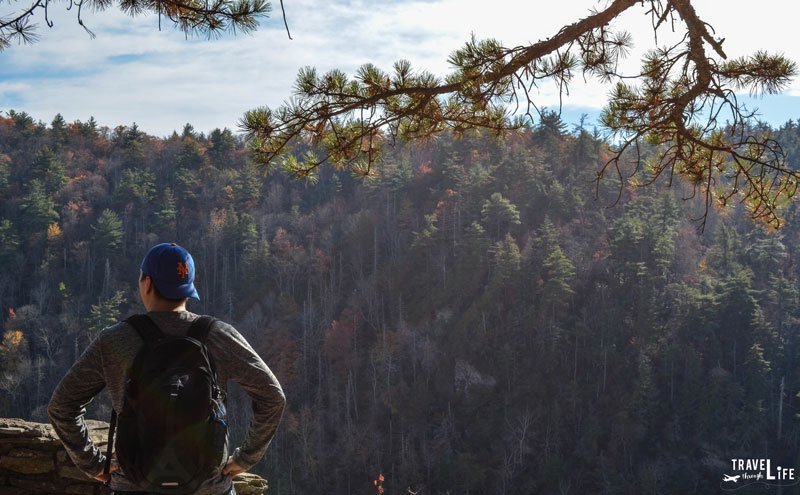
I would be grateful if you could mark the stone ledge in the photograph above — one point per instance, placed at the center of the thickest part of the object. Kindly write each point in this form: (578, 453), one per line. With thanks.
(33, 462)
(249, 484)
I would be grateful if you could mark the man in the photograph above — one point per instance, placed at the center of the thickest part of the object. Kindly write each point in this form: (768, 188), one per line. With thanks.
(166, 282)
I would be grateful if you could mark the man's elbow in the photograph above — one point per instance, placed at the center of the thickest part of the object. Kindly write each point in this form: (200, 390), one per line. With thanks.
(54, 412)
(58, 411)
(274, 400)
(280, 399)
(52, 407)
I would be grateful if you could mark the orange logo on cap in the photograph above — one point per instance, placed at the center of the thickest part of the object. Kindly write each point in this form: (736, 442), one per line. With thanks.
(183, 269)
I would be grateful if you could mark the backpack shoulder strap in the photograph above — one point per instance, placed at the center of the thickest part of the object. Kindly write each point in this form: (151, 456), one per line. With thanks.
(200, 328)
(199, 331)
(146, 327)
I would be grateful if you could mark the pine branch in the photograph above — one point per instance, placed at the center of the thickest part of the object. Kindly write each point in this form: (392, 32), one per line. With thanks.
(193, 17)
(664, 106)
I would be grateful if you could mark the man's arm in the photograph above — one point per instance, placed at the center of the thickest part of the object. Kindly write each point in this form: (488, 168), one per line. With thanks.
(68, 405)
(248, 370)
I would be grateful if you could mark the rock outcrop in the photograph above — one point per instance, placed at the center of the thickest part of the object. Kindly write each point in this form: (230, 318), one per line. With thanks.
(33, 462)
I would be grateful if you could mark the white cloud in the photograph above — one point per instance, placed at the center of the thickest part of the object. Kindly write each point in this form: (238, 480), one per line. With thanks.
(133, 72)
(13, 87)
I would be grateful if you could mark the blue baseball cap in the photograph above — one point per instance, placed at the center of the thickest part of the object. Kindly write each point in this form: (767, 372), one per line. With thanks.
(172, 269)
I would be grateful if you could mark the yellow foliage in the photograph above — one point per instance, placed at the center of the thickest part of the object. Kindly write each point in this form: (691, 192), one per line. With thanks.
(12, 339)
(10, 353)
(54, 232)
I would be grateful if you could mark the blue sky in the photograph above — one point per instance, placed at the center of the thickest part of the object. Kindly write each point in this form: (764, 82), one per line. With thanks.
(132, 72)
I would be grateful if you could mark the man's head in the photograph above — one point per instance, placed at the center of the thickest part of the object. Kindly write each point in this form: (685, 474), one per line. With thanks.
(167, 276)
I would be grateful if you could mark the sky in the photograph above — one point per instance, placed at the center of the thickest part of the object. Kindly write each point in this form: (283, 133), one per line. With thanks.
(159, 79)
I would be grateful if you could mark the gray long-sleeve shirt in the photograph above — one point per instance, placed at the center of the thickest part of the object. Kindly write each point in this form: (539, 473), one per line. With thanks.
(106, 362)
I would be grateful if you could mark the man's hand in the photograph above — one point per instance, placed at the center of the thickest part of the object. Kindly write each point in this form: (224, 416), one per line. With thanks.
(231, 468)
(102, 476)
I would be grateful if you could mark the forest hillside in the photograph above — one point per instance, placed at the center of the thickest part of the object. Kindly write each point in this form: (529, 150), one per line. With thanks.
(475, 319)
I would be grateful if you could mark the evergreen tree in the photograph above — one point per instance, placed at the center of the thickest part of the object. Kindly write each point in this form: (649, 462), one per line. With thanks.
(49, 169)
(505, 261)
(9, 243)
(248, 186)
(557, 271)
(426, 238)
(168, 214)
(5, 173)
(188, 131)
(191, 156)
(104, 314)
(58, 131)
(499, 214)
(136, 186)
(38, 209)
(88, 129)
(726, 255)
(223, 143)
(256, 265)
(107, 233)
(549, 134)
(187, 187)
(247, 233)
(133, 147)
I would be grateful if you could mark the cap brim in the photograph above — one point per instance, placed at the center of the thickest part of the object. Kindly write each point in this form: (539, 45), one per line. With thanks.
(178, 292)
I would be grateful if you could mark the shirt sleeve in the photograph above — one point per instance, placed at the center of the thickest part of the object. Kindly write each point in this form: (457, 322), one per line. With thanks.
(67, 408)
(245, 367)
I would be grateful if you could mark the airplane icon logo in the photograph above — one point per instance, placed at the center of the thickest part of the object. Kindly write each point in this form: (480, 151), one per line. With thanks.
(735, 479)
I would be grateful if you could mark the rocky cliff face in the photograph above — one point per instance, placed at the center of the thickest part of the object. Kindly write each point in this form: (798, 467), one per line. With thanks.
(33, 462)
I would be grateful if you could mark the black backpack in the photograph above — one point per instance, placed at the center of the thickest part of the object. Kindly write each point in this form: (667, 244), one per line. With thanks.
(172, 431)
